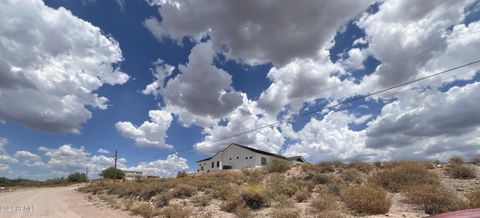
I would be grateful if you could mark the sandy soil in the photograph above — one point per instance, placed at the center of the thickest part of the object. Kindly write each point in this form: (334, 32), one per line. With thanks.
(52, 202)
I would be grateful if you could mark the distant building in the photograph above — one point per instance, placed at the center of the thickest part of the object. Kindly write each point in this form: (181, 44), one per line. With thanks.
(131, 175)
(237, 156)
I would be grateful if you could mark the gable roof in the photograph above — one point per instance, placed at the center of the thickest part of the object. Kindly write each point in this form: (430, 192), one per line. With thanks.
(258, 152)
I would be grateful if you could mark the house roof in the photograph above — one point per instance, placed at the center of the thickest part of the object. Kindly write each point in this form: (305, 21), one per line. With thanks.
(258, 152)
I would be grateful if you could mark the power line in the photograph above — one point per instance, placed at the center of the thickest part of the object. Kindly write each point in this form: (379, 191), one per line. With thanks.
(360, 97)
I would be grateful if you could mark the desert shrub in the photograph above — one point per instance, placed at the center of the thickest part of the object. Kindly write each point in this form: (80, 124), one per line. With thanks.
(243, 212)
(474, 199)
(282, 201)
(184, 191)
(252, 175)
(176, 211)
(367, 200)
(476, 160)
(326, 167)
(433, 199)
(330, 214)
(144, 210)
(361, 166)
(232, 203)
(125, 189)
(322, 179)
(150, 190)
(181, 174)
(201, 200)
(336, 188)
(278, 166)
(456, 159)
(255, 196)
(93, 188)
(323, 202)
(402, 174)
(285, 213)
(302, 195)
(460, 171)
(277, 185)
(224, 191)
(351, 175)
(163, 199)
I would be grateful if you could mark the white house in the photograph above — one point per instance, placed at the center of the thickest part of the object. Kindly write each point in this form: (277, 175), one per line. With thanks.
(136, 175)
(237, 156)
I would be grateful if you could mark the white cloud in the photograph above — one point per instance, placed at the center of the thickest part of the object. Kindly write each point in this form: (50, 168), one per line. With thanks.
(164, 168)
(51, 64)
(103, 151)
(29, 158)
(356, 57)
(273, 31)
(149, 133)
(246, 117)
(5, 158)
(201, 93)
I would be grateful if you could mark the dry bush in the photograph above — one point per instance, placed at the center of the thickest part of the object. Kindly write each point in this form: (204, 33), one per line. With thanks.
(94, 188)
(433, 199)
(474, 199)
(368, 200)
(285, 213)
(184, 191)
(232, 203)
(278, 166)
(125, 189)
(323, 202)
(252, 176)
(330, 214)
(361, 166)
(351, 175)
(151, 189)
(255, 196)
(321, 179)
(402, 174)
(144, 210)
(163, 199)
(476, 160)
(460, 171)
(112, 201)
(302, 195)
(201, 200)
(277, 185)
(176, 211)
(224, 191)
(327, 167)
(243, 212)
(336, 188)
(283, 201)
(456, 159)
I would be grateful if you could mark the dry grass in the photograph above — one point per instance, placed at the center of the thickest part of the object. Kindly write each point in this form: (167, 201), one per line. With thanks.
(233, 202)
(176, 211)
(285, 213)
(462, 171)
(144, 210)
(434, 199)
(361, 166)
(476, 160)
(456, 160)
(474, 199)
(278, 166)
(323, 202)
(403, 174)
(184, 191)
(302, 195)
(201, 200)
(243, 212)
(366, 200)
(255, 196)
(351, 176)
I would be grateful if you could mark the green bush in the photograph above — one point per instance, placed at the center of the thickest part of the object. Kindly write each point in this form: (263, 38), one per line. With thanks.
(109, 173)
(181, 174)
(278, 166)
(77, 177)
(366, 200)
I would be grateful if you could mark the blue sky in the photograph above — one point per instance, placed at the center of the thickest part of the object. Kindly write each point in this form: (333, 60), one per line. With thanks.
(179, 76)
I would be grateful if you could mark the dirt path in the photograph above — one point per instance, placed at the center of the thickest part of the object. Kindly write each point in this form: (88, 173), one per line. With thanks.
(52, 202)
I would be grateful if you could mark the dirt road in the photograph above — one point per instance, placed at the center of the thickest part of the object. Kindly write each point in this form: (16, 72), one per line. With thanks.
(52, 202)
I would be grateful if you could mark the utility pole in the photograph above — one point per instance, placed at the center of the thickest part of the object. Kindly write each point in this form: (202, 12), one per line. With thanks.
(86, 172)
(115, 168)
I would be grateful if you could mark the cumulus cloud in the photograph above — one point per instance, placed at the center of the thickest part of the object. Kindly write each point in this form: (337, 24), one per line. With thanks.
(418, 33)
(246, 117)
(150, 133)
(5, 158)
(103, 151)
(257, 32)
(164, 168)
(201, 93)
(51, 64)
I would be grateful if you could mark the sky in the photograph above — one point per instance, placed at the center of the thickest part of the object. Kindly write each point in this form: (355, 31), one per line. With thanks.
(164, 81)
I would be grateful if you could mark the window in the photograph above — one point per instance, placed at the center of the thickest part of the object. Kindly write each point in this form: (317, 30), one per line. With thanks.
(230, 158)
(237, 157)
(213, 164)
(263, 161)
(250, 157)
(201, 168)
(218, 163)
(246, 158)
